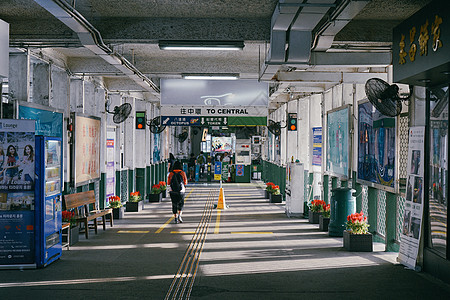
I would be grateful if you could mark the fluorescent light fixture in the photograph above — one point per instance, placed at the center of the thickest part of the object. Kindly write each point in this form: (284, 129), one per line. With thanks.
(201, 45)
(213, 76)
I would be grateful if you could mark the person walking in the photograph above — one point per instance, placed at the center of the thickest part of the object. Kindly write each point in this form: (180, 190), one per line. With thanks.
(177, 181)
(191, 167)
(201, 161)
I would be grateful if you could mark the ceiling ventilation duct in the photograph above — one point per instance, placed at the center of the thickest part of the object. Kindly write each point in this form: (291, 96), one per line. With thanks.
(293, 24)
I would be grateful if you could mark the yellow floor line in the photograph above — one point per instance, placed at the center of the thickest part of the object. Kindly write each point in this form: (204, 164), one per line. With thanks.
(133, 231)
(183, 232)
(171, 218)
(251, 232)
(216, 230)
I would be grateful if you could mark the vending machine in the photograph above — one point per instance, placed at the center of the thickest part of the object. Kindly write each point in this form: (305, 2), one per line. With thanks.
(48, 199)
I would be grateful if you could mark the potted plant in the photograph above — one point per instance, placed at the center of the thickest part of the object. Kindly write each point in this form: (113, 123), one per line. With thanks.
(135, 203)
(324, 218)
(315, 210)
(275, 196)
(357, 236)
(73, 235)
(269, 188)
(117, 207)
(163, 188)
(155, 194)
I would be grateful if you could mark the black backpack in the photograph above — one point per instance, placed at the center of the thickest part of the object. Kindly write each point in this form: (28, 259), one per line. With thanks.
(176, 183)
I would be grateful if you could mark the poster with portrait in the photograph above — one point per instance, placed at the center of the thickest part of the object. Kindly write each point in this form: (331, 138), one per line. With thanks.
(376, 148)
(413, 214)
(338, 142)
(87, 149)
(17, 199)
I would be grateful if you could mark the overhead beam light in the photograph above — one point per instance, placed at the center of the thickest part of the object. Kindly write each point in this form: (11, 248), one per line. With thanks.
(201, 45)
(214, 76)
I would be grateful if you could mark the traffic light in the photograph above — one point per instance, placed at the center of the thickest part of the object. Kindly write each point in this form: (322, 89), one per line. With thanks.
(292, 122)
(140, 120)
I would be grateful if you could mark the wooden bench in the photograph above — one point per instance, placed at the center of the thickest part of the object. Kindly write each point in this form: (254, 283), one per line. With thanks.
(81, 202)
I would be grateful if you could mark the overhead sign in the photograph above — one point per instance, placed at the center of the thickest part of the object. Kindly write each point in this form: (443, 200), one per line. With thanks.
(242, 92)
(214, 111)
(181, 120)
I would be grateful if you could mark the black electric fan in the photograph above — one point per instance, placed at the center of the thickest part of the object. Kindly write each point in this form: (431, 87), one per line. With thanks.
(385, 97)
(182, 136)
(156, 126)
(274, 127)
(121, 113)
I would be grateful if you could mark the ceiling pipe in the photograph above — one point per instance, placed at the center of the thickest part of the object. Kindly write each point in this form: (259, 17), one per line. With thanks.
(91, 39)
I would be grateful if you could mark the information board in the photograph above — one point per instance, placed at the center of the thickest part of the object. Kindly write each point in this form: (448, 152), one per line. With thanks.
(338, 142)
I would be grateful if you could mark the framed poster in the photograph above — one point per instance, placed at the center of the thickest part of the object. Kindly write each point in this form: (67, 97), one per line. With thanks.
(85, 154)
(338, 142)
(316, 146)
(376, 148)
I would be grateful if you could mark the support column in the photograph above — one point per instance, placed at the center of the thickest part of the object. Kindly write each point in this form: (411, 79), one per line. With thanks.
(140, 182)
(325, 189)
(372, 208)
(391, 222)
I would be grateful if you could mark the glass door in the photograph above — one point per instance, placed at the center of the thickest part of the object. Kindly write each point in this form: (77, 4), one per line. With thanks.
(438, 171)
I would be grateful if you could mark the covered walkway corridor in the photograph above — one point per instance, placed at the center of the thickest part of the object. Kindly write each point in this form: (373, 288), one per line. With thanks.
(251, 250)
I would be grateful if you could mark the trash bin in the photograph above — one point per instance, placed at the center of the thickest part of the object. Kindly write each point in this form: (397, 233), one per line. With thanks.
(343, 203)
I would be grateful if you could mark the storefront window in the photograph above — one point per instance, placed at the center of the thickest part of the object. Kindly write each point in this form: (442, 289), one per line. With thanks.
(438, 173)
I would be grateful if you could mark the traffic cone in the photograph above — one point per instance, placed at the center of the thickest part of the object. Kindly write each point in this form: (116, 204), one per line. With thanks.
(221, 203)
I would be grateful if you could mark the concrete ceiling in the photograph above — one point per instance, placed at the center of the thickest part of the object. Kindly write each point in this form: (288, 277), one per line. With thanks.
(130, 31)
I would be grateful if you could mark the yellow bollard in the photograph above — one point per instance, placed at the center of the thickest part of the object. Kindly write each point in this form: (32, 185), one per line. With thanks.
(221, 203)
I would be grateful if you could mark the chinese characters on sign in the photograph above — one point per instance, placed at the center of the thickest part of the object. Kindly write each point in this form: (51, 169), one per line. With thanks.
(87, 132)
(422, 40)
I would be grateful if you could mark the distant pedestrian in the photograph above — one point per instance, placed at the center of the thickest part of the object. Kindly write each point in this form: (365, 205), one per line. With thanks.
(177, 181)
(191, 167)
(201, 161)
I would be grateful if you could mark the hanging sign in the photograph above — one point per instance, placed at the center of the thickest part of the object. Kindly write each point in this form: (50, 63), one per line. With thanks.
(214, 111)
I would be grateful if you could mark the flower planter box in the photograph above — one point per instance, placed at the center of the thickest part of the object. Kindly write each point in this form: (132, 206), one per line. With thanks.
(276, 198)
(323, 223)
(135, 206)
(267, 194)
(164, 194)
(358, 242)
(118, 213)
(154, 197)
(313, 217)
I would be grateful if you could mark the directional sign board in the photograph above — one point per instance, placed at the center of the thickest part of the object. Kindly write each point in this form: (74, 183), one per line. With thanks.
(180, 121)
(214, 121)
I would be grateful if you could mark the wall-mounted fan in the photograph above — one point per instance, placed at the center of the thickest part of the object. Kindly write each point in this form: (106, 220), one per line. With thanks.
(385, 97)
(156, 126)
(274, 127)
(182, 136)
(121, 113)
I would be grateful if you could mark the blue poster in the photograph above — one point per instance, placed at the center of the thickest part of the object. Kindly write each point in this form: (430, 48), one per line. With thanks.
(338, 141)
(156, 147)
(48, 123)
(317, 146)
(376, 146)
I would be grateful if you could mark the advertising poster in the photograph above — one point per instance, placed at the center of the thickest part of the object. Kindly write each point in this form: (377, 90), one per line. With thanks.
(222, 144)
(87, 149)
(48, 123)
(412, 217)
(156, 147)
(338, 141)
(317, 146)
(17, 200)
(217, 170)
(110, 169)
(376, 147)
